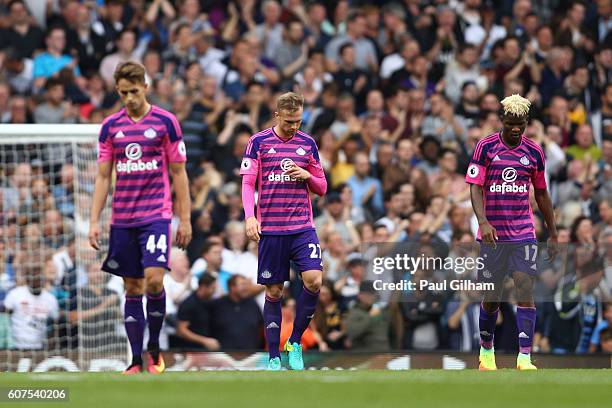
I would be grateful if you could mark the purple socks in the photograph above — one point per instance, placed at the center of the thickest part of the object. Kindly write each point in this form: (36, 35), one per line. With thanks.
(134, 321)
(487, 327)
(525, 321)
(272, 320)
(156, 311)
(304, 312)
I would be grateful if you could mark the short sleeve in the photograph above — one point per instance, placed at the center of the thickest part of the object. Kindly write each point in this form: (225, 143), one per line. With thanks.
(185, 311)
(105, 144)
(53, 307)
(10, 301)
(250, 160)
(174, 146)
(538, 178)
(477, 169)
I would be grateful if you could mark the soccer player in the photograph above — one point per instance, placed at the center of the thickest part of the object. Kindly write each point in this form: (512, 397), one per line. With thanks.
(141, 142)
(503, 167)
(285, 163)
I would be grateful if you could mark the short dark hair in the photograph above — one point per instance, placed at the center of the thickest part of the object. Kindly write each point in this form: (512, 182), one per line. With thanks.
(130, 71)
(232, 281)
(53, 82)
(208, 245)
(206, 279)
(344, 46)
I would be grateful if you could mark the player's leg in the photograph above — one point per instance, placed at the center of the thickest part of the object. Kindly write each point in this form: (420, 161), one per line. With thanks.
(272, 315)
(525, 318)
(492, 259)
(156, 312)
(134, 321)
(154, 243)
(123, 260)
(306, 253)
(273, 271)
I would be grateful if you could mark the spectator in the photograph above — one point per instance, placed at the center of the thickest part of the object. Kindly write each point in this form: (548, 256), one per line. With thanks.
(442, 121)
(19, 74)
(336, 219)
(237, 321)
(365, 53)
(194, 317)
(126, 43)
(367, 325)
(55, 109)
(52, 61)
(178, 286)
(270, 31)
(597, 343)
(367, 191)
(585, 148)
(22, 32)
(210, 263)
(31, 308)
(328, 318)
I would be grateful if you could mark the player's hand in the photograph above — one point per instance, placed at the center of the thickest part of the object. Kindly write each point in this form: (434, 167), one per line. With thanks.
(94, 235)
(211, 344)
(488, 234)
(183, 234)
(552, 246)
(253, 229)
(298, 173)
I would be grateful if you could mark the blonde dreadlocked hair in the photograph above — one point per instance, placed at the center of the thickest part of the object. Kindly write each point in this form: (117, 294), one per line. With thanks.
(516, 105)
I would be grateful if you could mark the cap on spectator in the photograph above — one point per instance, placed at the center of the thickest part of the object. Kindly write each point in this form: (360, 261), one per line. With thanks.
(333, 197)
(354, 258)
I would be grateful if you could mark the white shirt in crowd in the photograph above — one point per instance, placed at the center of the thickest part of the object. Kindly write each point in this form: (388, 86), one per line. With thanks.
(29, 316)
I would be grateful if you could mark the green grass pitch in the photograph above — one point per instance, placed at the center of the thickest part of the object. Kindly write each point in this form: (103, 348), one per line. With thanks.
(317, 389)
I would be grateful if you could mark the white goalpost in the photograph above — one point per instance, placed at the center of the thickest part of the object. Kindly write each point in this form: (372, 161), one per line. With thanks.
(47, 174)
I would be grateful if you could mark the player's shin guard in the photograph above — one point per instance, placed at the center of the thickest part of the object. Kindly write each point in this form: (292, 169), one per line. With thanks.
(134, 321)
(156, 311)
(304, 312)
(525, 320)
(486, 323)
(272, 320)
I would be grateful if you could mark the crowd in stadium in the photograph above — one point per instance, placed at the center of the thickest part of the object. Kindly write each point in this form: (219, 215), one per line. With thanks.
(397, 94)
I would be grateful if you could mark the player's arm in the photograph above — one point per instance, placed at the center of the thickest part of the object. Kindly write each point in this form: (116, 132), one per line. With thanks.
(183, 201)
(544, 202)
(182, 330)
(476, 178)
(249, 169)
(101, 189)
(487, 232)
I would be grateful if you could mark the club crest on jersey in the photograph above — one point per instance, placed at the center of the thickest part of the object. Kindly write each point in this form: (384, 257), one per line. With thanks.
(524, 161)
(150, 133)
(300, 151)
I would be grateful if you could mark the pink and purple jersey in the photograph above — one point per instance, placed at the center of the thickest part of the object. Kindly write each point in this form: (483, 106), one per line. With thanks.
(141, 152)
(284, 205)
(506, 175)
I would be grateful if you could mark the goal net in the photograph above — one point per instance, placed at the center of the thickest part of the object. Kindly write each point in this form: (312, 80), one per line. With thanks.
(58, 308)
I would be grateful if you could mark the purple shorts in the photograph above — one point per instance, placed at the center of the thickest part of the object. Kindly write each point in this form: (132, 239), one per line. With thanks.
(507, 258)
(131, 250)
(277, 251)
